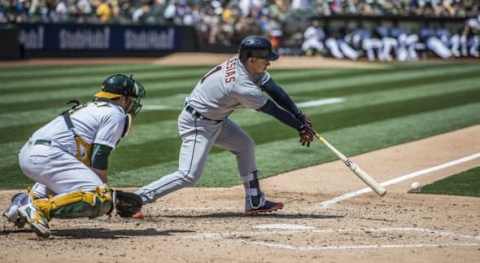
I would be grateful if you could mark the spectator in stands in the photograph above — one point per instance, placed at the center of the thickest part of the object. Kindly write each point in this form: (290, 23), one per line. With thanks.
(301, 5)
(61, 12)
(140, 14)
(104, 11)
(84, 11)
(3, 12)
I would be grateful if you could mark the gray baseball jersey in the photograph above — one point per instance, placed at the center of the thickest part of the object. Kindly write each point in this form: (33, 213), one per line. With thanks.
(216, 95)
(226, 88)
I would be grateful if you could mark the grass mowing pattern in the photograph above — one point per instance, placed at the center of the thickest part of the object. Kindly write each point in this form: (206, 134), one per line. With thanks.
(466, 184)
(397, 104)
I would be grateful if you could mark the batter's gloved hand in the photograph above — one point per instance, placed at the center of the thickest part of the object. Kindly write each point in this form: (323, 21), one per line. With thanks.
(126, 203)
(306, 132)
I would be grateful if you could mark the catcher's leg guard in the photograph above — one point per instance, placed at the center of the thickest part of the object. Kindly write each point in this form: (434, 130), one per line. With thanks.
(77, 204)
(36, 219)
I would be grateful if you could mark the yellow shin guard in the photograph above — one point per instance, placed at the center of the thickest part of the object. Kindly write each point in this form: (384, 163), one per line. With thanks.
(77, 204)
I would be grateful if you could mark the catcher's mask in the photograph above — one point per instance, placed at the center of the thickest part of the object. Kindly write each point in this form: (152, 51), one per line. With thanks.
(117, 85)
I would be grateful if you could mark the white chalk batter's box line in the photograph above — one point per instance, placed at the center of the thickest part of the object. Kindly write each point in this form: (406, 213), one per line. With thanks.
(400, 179)
(468, 240)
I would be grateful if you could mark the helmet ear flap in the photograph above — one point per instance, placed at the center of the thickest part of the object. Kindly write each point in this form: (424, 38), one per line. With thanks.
(132, 89)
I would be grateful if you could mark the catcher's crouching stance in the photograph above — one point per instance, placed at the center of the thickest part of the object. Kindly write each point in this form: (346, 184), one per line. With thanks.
(68, 160)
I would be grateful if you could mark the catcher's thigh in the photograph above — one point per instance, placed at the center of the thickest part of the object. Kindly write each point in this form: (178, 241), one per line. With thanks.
(77, 204)
(59, 171)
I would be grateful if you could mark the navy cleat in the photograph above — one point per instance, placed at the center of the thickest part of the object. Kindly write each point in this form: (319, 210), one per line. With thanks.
(258, 204)
(12, 214)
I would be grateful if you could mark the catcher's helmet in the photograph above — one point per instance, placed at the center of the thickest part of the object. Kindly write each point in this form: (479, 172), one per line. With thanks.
(117, 85)
(258, 47)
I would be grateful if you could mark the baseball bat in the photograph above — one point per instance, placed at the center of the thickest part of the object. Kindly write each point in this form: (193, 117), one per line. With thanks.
(367, 179)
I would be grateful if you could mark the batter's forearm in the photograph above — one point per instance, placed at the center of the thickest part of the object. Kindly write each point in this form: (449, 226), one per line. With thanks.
(282, 115)
(281, 98)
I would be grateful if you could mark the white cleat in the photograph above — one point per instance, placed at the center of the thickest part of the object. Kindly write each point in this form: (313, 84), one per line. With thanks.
(36, 219)
(11, 213)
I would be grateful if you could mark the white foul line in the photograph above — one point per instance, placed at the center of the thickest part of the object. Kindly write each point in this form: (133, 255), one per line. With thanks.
(230, 235)
(352, 247)
(399, 179)
(240, 237)
(314, 103)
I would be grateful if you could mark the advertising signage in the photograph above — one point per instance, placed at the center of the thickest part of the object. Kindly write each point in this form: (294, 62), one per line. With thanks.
(81, 39)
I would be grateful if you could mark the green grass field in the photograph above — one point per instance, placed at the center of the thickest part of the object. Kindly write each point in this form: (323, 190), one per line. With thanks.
(466, 183)
(377, 108)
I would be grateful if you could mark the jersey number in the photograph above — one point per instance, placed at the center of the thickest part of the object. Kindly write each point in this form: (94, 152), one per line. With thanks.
(213, 70)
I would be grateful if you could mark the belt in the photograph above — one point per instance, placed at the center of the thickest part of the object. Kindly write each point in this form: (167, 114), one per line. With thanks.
(197, 114)
(42, 142)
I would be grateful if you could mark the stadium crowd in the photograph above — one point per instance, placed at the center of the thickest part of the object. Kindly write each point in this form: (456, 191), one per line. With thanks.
(227, 21)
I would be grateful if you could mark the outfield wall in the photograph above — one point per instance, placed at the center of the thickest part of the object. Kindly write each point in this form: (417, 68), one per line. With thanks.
(86, 40)
(10, 47)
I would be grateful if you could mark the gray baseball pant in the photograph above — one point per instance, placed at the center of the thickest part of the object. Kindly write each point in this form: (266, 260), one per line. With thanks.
(198, 137)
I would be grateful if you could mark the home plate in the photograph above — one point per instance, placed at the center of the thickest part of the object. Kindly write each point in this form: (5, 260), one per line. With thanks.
(284, 227)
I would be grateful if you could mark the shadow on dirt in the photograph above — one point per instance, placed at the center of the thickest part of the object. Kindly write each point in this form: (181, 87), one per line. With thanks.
(103, 233)
(6, 232)
(224, 215)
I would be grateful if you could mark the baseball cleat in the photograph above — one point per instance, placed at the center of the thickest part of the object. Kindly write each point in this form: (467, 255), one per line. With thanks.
(267, 206)
(11, 213)
(36, 219)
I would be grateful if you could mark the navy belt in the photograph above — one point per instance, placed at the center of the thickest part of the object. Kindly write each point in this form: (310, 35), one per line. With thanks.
(42, 142)
(197, 114)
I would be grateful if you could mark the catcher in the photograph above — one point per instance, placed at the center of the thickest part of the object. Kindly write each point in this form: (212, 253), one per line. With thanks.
(68, 160)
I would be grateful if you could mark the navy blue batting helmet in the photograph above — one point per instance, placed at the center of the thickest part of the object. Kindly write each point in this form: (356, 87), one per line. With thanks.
(258, 47)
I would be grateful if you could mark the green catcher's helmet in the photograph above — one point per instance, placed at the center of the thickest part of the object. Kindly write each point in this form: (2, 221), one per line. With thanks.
(118, 85)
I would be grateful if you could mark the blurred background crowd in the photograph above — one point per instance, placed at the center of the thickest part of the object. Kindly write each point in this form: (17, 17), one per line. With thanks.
(225, 22)
(389, 40)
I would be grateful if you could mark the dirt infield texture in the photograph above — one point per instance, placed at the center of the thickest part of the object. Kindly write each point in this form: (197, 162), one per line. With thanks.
(208, 224)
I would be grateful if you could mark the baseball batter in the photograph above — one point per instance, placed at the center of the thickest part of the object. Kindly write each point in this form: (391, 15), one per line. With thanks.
(240, 82)
(68, 158)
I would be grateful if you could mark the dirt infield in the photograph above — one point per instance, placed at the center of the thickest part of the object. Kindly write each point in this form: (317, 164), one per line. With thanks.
(207, 225)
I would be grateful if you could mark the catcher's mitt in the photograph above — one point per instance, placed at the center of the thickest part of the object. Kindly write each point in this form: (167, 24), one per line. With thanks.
(126, 203)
